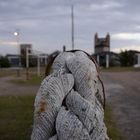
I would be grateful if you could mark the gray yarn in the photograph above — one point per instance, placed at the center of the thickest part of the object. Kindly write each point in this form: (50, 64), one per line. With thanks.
(69, 127)
(68, 105)
(54, 137)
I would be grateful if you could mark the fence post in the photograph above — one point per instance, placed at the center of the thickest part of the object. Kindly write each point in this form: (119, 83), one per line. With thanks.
(27, 64)
(38, 65)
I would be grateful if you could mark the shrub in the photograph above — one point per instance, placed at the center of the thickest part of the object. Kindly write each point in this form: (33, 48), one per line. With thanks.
(4, 62)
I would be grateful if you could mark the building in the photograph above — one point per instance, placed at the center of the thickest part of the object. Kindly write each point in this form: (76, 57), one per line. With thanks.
(34, 58)
(43, 59)
(103, 55)
(13, 59)
(23, 49)
(107, 59)
(26, 49)
(102, 44)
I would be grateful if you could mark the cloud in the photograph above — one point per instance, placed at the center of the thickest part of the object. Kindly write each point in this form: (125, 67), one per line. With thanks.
(47, 23)
(126, 36)
(11, 43)
(123, 48)
(105, 6)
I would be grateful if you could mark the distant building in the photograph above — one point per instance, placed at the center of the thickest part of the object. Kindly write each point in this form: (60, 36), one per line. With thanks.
(102, 53)
(43, 59)
(102, 44)
(103, 58)
(33, 57)
(13, 59)
(23, 48)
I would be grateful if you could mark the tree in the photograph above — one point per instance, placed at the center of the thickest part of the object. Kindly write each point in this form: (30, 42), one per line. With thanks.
(4, 62)
(126, 58)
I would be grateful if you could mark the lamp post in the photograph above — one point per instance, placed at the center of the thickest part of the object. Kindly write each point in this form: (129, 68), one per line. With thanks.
(16, 33)
(72, 26)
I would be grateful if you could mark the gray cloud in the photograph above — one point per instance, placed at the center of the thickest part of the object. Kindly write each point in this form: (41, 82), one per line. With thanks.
(47, 23)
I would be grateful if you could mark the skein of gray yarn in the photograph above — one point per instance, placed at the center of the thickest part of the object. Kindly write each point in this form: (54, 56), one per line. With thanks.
(68, 105)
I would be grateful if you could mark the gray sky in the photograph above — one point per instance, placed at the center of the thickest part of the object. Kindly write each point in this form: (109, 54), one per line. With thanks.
(47, 24)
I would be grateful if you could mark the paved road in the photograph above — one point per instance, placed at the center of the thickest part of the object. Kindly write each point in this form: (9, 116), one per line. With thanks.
(123, 93)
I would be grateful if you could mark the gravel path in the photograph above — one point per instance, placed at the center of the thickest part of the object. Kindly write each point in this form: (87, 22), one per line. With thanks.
(123, 93)
(7, 88)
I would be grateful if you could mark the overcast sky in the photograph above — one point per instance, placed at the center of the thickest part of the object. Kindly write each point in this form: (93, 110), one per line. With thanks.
(47, 24)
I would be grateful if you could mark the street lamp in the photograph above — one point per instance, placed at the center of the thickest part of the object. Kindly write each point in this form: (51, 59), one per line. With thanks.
(16, 33)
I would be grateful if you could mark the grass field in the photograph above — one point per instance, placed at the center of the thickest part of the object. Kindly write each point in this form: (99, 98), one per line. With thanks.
(16, 113)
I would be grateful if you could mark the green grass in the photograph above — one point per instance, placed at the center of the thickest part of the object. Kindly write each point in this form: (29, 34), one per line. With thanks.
(16, 118)
(16, 115)
(119, 69)
(112, 130)
(33, 80)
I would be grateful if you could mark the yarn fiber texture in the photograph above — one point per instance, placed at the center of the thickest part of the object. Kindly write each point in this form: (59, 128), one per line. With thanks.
(69, 102)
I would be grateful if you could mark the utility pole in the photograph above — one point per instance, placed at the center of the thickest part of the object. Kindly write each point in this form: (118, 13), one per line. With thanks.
(64, 48)
(72, 26)
(17, 33)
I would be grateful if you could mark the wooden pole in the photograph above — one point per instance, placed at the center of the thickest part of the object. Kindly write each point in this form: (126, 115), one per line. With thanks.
(38, 65)
(27, 64)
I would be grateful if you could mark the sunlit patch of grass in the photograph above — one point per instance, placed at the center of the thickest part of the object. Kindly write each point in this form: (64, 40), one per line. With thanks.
(113, 131)
(16, 115)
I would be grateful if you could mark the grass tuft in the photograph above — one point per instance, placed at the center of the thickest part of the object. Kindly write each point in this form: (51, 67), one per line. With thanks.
(112, 130)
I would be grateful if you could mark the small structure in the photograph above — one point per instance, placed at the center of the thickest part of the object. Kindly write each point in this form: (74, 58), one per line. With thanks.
(138, 61)
(102, 45)
(138, 58)
(106, 59)
(13, 59)
(23, 49)
(43, 59)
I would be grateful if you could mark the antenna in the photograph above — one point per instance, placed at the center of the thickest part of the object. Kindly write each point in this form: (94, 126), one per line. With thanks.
(72, 26)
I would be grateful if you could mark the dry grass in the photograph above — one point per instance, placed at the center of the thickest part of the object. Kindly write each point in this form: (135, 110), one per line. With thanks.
(120, 69)
(113, 131)
(16, 121)
(16, 115)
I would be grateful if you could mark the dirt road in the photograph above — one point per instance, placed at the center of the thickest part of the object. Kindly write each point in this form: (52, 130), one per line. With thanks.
(123, 93)
(7, 88)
